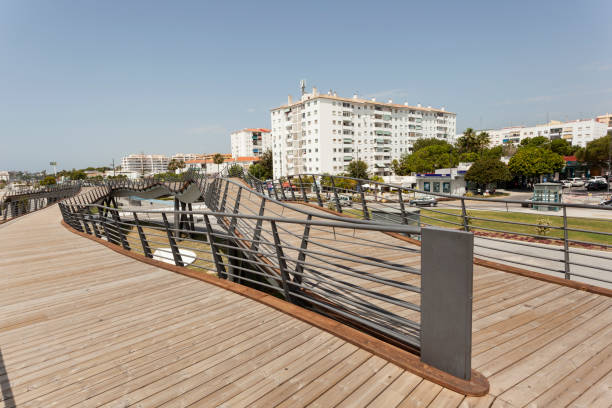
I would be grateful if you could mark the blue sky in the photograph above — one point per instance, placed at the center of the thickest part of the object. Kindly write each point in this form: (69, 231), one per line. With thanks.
(83, 82)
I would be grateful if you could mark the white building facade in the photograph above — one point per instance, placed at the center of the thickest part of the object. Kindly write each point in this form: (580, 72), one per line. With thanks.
(323, 133)
(250, 142)
(578, 132)
(145, 164)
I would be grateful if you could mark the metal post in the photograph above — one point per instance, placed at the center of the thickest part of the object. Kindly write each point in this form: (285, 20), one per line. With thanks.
(191, 222)
(236, 208)
(282, 189)
(303, 189)
(466, 225)
(364, 207)
(109, 237)
(274, 189)
(178, 261)
(299, 266)
(257, 234)
(143, 239)
(213, 248)
(282, 263)
(224, 200)
(446, 300)
(291, 187)
(336, 198)
(566, 254)
(402, 207)
(82, 217)
(122, 237)
(316, 187)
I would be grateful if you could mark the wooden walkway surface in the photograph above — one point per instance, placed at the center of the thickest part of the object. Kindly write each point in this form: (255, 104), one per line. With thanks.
(81, 325)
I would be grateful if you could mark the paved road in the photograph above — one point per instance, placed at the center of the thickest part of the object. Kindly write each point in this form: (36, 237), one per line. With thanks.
(527, 255)
(548, 258)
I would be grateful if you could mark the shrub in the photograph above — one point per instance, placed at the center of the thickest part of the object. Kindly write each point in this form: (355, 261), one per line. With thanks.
(543, 227)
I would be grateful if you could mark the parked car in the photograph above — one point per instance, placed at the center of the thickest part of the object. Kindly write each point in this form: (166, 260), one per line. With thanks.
(607, 202)
(345, 201)
(528, 203)
(597, 185)
(428, 201)
(566, 183)
(577, 182)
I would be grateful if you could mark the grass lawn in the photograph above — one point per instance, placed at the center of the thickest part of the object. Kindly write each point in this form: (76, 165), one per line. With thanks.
(502, 221)
(158, 239)
(454, 215)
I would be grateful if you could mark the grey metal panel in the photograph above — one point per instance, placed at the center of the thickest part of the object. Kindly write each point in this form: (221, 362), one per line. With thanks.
(446, 300)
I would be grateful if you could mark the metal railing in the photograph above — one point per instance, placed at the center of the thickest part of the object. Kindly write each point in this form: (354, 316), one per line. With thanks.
(335, 266)
(573, 241)
(24, 201)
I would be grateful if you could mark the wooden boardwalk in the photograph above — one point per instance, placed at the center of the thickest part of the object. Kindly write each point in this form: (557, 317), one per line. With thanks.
(81, 325)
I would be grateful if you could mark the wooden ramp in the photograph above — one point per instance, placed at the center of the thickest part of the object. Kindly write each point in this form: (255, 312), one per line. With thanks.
(81, 325)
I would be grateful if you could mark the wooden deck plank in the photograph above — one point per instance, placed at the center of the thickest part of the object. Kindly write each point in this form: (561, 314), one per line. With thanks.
(90, 327)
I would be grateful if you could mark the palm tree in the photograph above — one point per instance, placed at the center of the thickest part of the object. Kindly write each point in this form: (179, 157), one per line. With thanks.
(472, 142)
(173, 165)
(218, 159)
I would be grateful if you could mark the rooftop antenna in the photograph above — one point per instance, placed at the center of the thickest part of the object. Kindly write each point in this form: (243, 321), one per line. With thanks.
(303, 86)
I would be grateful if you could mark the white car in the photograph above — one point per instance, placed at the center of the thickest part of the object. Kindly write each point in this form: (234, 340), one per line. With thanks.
(567, 183)
(576, 182)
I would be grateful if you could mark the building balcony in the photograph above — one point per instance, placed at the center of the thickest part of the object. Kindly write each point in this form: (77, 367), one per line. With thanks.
(347, 140)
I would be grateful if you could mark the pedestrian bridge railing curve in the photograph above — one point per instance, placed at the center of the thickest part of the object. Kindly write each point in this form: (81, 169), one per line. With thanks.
(23, 201)
(565, 240)
(365, 274)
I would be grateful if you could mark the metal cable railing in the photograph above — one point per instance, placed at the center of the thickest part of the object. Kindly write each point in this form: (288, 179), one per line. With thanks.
(23, 201)
(571, 240)
(340, 267)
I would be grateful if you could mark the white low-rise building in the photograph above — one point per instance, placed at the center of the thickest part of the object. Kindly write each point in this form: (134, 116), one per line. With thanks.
(323, 133)
(444, 181)
(577, 132)
(145, 164)
(606, 119)
(187, 156)
(250, 142)
(210, 167)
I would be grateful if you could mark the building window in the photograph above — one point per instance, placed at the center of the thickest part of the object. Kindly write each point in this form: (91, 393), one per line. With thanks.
(426, 185)
(436, 186)
(446, 187)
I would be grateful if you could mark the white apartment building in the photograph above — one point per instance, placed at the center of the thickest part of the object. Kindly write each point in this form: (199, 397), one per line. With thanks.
(187, 156)
(607, 119)
(577, 132)
(323, 133)
(145, 164)
(250, 142)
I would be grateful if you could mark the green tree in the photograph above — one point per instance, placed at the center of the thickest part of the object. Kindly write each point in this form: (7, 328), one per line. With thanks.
(535, 141)
(596, 152)
(533, 161)
(48, 181)
(436, 155)
(235, 170)
(78, 175)
(358, 169)
(173, 165)
(488, 171)
(423, 143)
(218, 159)
(263, 169)
(429, 159)
(471, 142)
(561, 146)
